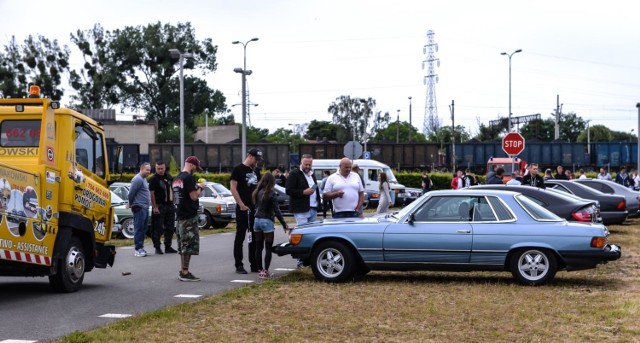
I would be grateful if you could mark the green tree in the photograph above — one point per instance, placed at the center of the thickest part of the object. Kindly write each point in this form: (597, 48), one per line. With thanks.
(599, 133)
(136, 68)
(356, 117)
(285, 136)
(398, 131)
(571, 126)
(538, 129)
(37, 61)
(254, 134)
(443, 135)
(321, 129)
(488, 133)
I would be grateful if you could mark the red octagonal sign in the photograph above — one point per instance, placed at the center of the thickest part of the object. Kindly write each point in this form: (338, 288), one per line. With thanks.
(513, 143)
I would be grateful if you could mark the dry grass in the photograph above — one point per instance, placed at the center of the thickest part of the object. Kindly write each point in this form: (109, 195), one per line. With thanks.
(591, 305)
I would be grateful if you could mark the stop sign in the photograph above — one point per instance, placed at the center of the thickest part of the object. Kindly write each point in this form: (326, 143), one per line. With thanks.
(513, 143)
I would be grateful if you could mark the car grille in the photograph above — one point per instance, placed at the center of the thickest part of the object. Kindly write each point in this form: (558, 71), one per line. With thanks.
(231, 208)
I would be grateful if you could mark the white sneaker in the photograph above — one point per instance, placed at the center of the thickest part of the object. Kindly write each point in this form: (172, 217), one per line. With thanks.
(140, 253)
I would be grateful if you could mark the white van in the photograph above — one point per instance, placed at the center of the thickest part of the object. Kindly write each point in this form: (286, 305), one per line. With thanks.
(369, 170)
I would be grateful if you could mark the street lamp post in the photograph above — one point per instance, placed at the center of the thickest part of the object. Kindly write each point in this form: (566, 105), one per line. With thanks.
(175, 53)
(244, 72)
(410, 124)
(589, 139)
(638, 146)
(511, 54)
(398, 128)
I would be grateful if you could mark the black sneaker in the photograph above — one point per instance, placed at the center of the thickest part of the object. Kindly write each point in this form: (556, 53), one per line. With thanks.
(241, 270)
(170, 250)
(159, 251)
(187, 277)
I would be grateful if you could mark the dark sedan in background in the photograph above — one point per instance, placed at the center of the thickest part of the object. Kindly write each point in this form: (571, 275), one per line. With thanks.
(613, 208)
(562, 205)
(609, 187)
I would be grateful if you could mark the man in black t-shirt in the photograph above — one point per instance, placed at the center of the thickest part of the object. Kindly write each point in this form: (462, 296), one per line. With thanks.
(185, 195)
(244, 179)
(163, 217)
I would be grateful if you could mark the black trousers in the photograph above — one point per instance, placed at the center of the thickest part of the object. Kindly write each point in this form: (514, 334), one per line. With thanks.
(163, 223)
(244, 223)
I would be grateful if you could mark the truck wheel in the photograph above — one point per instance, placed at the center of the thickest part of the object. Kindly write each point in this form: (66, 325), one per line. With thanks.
(127, 228)
(204, 220)
(70, 269)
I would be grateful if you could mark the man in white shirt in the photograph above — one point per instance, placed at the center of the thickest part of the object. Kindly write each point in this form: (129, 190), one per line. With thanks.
(603, 175)
(346, 190)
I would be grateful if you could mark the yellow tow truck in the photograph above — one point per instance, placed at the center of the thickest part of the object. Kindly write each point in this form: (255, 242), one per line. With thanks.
(55, 204)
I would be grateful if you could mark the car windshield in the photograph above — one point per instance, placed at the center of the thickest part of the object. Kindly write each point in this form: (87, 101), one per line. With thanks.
(390, 176)
(222, 190)
(536, 211)
(115, 199)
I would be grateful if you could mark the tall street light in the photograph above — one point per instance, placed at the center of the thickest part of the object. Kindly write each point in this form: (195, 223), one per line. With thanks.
(511, 54)
(175, 53)
(244, 73)
(410, 124)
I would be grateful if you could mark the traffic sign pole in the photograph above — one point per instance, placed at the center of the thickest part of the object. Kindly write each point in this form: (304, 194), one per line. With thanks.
(513, 145)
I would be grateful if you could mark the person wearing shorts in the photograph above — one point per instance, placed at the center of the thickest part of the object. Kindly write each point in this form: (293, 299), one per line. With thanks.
(266, 201)
(185, 196)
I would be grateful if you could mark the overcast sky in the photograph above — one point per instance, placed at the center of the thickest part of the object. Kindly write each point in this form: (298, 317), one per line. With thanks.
(311, 52)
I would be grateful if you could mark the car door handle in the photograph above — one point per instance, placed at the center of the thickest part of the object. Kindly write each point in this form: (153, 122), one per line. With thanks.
(463, 231)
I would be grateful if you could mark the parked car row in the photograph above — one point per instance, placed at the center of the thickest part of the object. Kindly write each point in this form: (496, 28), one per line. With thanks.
(217, 208)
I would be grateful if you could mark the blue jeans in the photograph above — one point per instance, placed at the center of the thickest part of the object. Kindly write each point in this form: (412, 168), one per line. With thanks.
(263, 224)
(346, 214)
(140, 224)
(306, 217)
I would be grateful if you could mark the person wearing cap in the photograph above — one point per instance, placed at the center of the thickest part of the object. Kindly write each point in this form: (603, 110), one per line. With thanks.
(186, 192)
(244, 180)
(139, 202)
(346, 190)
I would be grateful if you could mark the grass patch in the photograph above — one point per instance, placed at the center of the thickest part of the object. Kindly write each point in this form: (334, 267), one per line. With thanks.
(591, 305)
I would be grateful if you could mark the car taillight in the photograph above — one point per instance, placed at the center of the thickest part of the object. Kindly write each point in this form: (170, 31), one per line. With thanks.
(583, 214)
(598, 242)
(622, 205)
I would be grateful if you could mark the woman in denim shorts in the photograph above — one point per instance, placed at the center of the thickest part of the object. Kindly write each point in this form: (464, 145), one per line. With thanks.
(266, 201)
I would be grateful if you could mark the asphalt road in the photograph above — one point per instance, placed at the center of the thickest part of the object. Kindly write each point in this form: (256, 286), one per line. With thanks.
(31, 311)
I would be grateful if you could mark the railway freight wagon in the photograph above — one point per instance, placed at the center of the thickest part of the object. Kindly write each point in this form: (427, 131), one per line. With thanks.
(397, 156)
(548, 154)
(475, 155)
(220, 157)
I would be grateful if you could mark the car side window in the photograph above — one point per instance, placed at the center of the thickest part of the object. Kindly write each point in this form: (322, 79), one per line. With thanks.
(500, 209)
(560, 188)
(482, 212)
(445, 209)
(606, 189)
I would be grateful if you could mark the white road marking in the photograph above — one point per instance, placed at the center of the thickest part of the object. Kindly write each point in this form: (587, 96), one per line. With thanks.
(285, 269)
(187, 296)
(16, 341)
(115, 315)
(242, 281)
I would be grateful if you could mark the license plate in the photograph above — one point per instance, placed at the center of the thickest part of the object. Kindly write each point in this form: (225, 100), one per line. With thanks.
(233, 216)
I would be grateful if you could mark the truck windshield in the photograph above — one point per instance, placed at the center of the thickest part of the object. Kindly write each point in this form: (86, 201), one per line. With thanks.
(22, 133)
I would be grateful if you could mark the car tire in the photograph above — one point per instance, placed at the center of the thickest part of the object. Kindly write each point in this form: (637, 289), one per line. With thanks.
(127, 229)
(532, 266)
(219, 223)
(204, 220)
(70, 269)
(333, 262)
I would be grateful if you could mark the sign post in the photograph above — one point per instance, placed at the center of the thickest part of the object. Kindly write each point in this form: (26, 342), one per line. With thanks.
(513, 145)
(352, 150)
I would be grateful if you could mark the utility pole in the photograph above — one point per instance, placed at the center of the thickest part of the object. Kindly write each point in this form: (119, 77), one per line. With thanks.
(410, 124)
(558, 112)
(453, 136)
(398, 128)
(638, 132)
